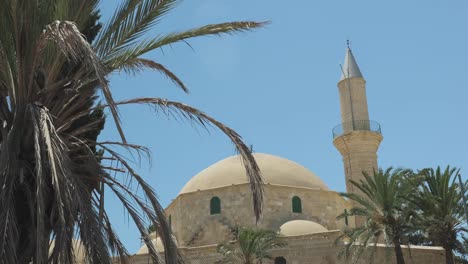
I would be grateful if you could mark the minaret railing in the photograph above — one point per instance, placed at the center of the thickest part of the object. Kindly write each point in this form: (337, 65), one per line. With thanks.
(356, 125)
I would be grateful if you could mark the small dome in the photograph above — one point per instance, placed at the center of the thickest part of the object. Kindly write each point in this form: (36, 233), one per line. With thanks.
(157, 242)
(275, 171)
(301, 227)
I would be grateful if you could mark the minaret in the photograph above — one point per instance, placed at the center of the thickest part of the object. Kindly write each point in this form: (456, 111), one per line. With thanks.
(357, 138)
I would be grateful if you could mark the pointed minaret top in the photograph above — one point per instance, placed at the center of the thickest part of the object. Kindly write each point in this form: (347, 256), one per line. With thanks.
(350, 68)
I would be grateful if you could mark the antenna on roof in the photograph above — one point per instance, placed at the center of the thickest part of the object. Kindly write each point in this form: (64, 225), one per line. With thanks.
(347, 43)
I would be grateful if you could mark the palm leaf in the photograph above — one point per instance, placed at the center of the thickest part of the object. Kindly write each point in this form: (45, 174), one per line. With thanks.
(440, 207)
(139, 64)
(130, 21)
(381, 200)
(117, 58)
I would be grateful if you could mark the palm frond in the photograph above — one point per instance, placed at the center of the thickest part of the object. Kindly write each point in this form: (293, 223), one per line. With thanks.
(130, 21)
(114, 60)
(139, 64)
(158, 217)
(438, 201)
(381, 200)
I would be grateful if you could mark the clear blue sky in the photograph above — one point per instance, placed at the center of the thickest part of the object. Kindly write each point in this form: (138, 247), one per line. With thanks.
(277, 87)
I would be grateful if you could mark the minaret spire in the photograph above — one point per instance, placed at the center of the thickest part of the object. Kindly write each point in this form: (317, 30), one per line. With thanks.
(350, 67)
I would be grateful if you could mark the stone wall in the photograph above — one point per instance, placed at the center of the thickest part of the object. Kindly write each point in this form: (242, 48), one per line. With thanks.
(193, 225)
(321, 248)
(317, 248)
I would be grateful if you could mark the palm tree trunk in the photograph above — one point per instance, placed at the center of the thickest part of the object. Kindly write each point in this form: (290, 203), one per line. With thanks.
(398, 251)
(448, 256)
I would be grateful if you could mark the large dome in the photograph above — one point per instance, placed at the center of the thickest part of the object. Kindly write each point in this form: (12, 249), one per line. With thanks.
(275, 171)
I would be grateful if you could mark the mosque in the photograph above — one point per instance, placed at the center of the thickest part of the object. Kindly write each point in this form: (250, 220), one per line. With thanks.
(297, 203)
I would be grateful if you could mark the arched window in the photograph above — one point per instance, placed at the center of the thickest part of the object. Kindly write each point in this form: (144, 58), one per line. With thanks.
(280, 260)
(215, 205)
(296, 205)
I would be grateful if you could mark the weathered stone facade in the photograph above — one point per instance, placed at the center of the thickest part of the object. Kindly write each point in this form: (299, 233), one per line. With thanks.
(321, 206)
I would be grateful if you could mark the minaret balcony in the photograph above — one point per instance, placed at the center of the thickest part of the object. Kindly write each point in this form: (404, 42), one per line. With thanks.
(356, 125)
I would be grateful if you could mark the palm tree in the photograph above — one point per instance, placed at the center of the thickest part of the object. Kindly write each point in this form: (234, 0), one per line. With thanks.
(440, 208)
(53, 168)
(381, 202)
(250, 246)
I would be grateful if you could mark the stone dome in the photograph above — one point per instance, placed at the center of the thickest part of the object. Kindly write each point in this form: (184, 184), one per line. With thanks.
(158, 245)
(301, 227)
(157, 242)
(275, 171)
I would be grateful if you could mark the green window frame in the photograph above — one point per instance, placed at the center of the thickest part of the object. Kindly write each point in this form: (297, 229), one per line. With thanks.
(215, 205)
(296, 205)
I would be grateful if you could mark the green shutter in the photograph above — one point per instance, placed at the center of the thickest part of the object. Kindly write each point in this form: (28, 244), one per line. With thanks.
(215, 205)
(296, 205)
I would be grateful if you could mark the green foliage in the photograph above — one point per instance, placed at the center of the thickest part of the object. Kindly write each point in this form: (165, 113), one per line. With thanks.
(250, 246)
(55, 59)
(440, 208)
(381, 201)
(402, 207)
